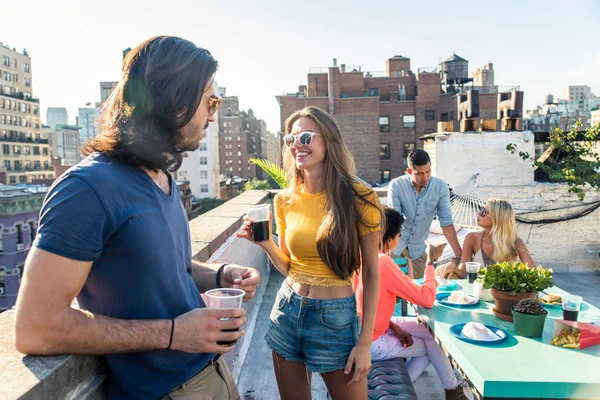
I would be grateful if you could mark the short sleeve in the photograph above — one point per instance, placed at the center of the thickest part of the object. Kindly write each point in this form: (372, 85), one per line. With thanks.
(73, 221)
(279, 214)
(371, 214)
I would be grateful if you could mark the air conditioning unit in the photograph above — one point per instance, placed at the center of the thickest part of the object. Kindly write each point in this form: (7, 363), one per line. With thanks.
(1, 290)
(20, 246)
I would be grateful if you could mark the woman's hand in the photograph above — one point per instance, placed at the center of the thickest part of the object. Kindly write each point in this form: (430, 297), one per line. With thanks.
(405, 337)
(360, 357)
(445, 270)
(245, 232)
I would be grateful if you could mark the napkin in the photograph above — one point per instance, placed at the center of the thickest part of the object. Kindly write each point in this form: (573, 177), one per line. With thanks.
(441, 281)
(459, 297)
(478, 331)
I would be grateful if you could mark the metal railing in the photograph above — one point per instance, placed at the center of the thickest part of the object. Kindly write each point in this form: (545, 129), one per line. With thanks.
(375, 74)
(489, 89)
(427, 70)
(318, 70)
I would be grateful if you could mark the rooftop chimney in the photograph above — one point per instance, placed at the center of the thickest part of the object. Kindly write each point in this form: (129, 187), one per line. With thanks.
(335, 62)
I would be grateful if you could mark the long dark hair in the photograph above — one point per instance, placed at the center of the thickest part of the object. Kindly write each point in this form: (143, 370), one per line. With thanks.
(141, 123)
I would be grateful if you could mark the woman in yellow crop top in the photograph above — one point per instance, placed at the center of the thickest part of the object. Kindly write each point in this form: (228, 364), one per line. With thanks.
(327, 222)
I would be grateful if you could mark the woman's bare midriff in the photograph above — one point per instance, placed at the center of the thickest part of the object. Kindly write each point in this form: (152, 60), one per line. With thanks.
(320, 292)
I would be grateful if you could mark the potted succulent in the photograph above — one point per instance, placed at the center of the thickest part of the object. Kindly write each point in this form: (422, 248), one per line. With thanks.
(513, 281)
(529, 317)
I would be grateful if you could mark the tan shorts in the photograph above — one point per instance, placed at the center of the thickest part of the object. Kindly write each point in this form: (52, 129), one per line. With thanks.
(213, 383)
(418, 265)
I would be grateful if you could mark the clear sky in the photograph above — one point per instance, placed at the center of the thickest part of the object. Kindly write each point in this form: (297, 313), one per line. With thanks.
(266, 47)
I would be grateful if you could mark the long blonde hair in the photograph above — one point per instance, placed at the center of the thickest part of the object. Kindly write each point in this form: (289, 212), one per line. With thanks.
(337, 239)
(504, 230)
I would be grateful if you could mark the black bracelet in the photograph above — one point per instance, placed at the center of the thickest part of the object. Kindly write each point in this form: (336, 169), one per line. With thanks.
(172, 330)
(219, 272)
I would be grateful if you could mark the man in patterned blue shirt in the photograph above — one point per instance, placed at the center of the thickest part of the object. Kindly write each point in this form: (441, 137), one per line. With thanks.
(418, 195)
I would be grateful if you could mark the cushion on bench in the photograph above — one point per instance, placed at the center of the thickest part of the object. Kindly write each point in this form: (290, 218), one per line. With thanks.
(389, 379)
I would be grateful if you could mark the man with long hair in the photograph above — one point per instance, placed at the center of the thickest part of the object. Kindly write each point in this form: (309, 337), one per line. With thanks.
(418, 196)
(114, 234)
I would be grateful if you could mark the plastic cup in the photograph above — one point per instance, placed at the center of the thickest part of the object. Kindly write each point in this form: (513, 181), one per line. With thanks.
(225, 298)
(260, 229)
(472, 270)
(571, 305)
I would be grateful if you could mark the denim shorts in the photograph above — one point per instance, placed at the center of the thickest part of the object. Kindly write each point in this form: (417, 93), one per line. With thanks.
(319, 333)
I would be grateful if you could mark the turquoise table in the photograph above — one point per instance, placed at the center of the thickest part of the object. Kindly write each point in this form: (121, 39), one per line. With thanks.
(520, 367)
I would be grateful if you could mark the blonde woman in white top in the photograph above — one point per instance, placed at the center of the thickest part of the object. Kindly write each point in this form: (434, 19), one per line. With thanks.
(498, 242)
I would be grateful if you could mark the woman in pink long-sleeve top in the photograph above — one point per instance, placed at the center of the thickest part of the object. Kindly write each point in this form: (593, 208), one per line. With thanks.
(406, 336)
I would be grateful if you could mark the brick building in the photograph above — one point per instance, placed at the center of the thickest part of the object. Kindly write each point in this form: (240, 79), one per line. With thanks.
(25, 153)
(382, 114)
(240, 138)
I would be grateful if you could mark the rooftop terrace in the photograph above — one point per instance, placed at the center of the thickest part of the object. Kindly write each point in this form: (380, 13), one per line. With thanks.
(213, 240)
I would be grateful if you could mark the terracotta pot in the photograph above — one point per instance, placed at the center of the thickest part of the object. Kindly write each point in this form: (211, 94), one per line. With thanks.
(504, 302)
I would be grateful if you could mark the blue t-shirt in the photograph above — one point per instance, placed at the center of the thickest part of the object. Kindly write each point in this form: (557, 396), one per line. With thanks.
(138, 238)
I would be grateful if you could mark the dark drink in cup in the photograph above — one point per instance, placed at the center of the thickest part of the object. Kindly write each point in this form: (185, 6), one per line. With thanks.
(260, 231)
(571, 305)
(472, 270)
(225, 298)
(570, 315)
(228, 343)
(472, 276)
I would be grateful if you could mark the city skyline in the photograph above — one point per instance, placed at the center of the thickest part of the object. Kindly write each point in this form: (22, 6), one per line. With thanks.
(266, 49)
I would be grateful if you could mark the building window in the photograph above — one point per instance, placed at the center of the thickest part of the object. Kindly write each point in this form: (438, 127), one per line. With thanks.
(7, 165)
(374, 92)
(45, 151)
(203, 146)
(45, 164)
(384, 124)
(203, 174)
(6, 61)
(203, 161)
(27, 82)
(5, 149)
(203, 188)
(444, 117)
(13, 179)
(26, 67)
(16, 149)
(27, 150)
(408, 121)
(19, 233)
(17, 165)
(32, 230)
(37, 165)
(23, 179)
(408, 147)
(384, 151)
(429, 115)
(36, 150)
(384, 175)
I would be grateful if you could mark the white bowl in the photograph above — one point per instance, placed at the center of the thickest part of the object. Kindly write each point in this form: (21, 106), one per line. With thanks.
(483, 294)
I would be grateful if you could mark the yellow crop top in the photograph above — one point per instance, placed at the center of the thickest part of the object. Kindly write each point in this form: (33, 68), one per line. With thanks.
(299, 221)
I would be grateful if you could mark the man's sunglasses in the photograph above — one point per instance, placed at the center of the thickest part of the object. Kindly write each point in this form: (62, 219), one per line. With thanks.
(213, 104)
(304, 138)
